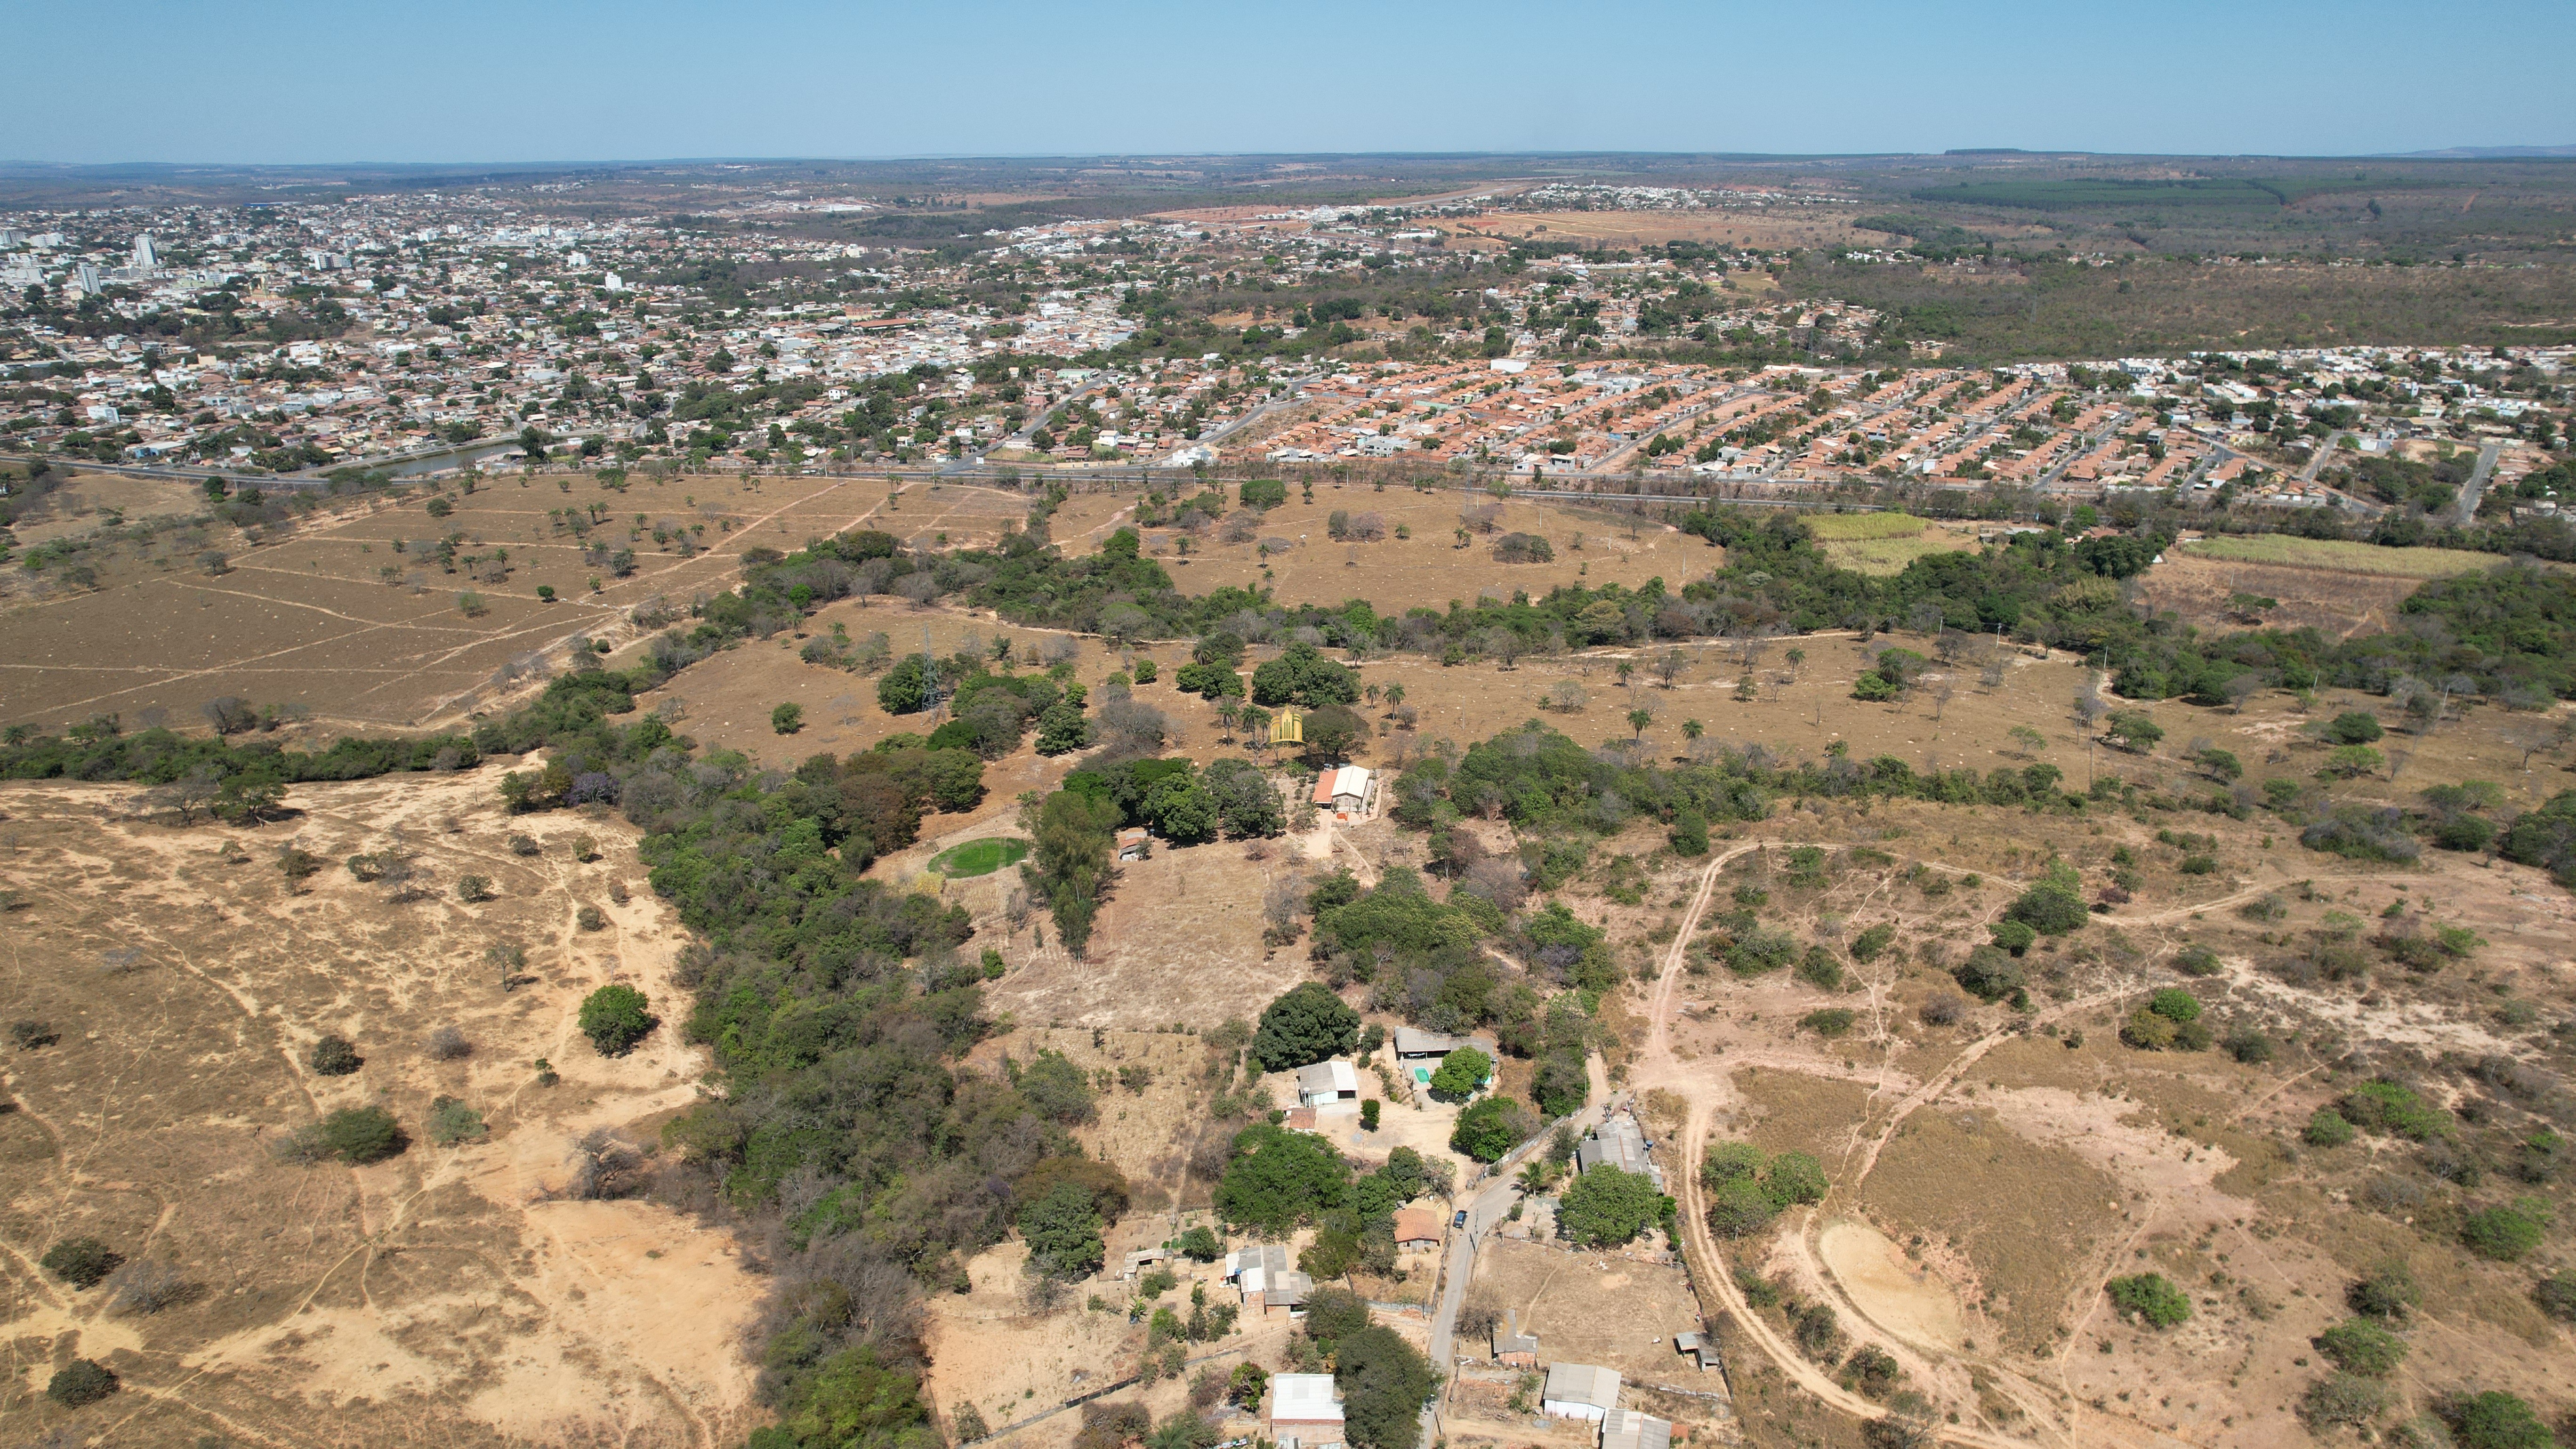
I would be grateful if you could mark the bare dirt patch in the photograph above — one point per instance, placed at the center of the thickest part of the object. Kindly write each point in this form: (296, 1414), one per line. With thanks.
(450, 1292)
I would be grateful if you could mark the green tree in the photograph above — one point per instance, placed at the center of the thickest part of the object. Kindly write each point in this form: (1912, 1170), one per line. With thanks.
(82, 1381)
(1278, 1179)
(1063, 1232)
(1486, 1130)
(1605, 1207)
(2135, 731)
(1306, 1024)
(2358, 727)
(1301, 675)
(2152, 1297)
(904, 688)
(1460, 1074)
(1071, 846)
(615, 1017)
(1200, 1243)
(81, 1262)
(1384, 1382)
(1331, 731)
(787, 719)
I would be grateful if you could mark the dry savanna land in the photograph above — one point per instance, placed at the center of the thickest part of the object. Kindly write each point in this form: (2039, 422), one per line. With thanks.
(1989, 1166)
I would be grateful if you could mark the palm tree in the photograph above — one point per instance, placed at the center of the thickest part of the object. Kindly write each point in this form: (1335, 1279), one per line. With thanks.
(1225, 714)
(1692, 729)
(1394, 695)
(1638, 719)
(1535, 1176)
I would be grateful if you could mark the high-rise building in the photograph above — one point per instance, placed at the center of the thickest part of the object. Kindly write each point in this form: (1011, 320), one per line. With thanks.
(145, 258)
(86, 275)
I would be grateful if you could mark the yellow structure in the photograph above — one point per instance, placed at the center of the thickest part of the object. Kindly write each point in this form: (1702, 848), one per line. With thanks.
(1289, 728)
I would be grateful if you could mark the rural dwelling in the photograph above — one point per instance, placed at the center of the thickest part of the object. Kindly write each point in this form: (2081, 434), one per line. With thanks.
(1417, 1228)
(1620, 1144)
(1134, 843)
(1348, 792)
(1328, 1082)
(1513, 1347)
(1136, 1262)
(1702, 1347)
(1415, 1047)
(1629, 1429)
(1268, 1283)
(1304, 1412)
(1580, 1391)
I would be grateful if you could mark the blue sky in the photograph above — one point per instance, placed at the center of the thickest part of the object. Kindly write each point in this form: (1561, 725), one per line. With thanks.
(470, 80)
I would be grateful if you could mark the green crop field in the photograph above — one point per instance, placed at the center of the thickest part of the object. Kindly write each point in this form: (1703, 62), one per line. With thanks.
(1851, 526)
(2357, 558)
(979, 857)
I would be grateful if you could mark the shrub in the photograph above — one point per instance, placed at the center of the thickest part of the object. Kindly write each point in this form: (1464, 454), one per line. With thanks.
(2387, 1294)
(81, 1262)
(1758, 951)
(1988, 973)
(2249, 1046)
(2327, 1128)
(2497, 1420)
(30, 1034)
(1819, 969)
(787, 719)
(2196, 961)
(451, 1122)
(82, 1381)
(447, 1044)
(333, 1056)
(2385, 1106)
(2360, 1346)
(615, 1017)
(355, 1135)
(1200, 1244)
(146, 1287)
(1866, 946)
(2344, 1399)
(2148, 1032)
(524, 845)
(1738, 1206)
(2052, 907)
(2151, 1297)
(2359, 832)
(2175, 1005)
(1942, 1010)
(1828, 1022)
(2556, 1295)
(591, 918)
(1795, 1177)
(1369, 1113)
(473, 889)
(2357, 727)
(2506, 1233)
(2013, 936)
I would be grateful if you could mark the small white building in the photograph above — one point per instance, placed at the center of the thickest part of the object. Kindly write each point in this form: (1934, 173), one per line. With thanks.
(1327, 1082)
(1305, 1412)
(1580, 1391)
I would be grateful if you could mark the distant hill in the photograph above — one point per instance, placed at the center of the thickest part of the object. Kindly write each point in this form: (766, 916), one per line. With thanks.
(2488, 153)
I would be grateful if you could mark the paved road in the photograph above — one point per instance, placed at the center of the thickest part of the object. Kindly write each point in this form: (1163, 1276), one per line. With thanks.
(1491, 1204)
(2317, 460)
(2477, 484)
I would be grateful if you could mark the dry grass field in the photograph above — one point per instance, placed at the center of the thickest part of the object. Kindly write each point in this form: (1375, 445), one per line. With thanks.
(333, 616)
(449, 1295)
(2341, 556)
(1428, 569)
(1785, 226)
(2333, 602)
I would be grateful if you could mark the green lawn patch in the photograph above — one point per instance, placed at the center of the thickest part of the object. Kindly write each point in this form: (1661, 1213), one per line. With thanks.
(979, 857)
